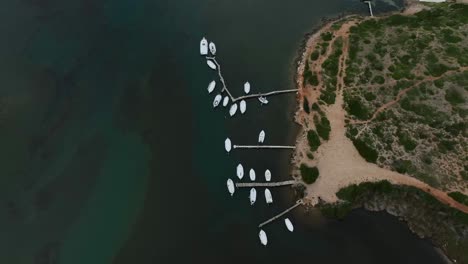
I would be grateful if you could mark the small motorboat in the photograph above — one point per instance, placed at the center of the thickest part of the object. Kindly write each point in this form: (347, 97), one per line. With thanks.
(263, 100)
(217, 100)
(289, 225)
(227, 145)
(253, 196)
(225, 101)
(247, 87)
(252, 174)
(230, 185)
(268, 197)
(261, 137)
(212, 47)
(233, 110)
(267, 175)
(263, 237)
(211, 64)
(243, 106)
(203, 47)
(240, 171)
(211, 86)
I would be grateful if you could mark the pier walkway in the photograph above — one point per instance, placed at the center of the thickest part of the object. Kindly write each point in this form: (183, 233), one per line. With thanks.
(262, 147)
(264, 184)
(245, 97)
(370, 7)
(299, 202)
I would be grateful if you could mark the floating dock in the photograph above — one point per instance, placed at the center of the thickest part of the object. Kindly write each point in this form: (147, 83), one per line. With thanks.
(299, 202)
(262, 147)
(245, 97)
(264, 184)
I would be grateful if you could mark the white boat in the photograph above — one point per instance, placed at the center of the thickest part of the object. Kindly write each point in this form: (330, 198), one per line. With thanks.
(263, 100)
(217, 100)
(203, 47)
(243, 106)
(240, 171)
(230, 185)
(267, 175)
(211, 64)
(253, 196)
(212, 47)
(252, 174)
(247, 87)
(233, 110)
(211, 86)
(225, 101)
(261, 137)
(263, 237)
(268, 197)
(227, 145)
(289, 225)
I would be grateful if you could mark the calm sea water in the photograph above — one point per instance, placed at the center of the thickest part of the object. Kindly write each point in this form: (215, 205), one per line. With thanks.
(110, 151)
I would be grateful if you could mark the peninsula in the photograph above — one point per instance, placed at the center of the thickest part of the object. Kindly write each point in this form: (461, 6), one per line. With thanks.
(383, 109)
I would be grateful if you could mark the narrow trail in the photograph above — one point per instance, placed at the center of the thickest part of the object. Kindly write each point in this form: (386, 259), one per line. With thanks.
(402, 93)
(337, 159)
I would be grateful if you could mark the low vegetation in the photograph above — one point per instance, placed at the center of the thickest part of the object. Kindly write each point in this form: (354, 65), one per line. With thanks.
(427, 127)
(309, 175)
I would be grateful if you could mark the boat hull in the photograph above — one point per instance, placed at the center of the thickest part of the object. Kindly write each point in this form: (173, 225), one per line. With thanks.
(240, 171)
(289, 225)
(217, 100)
(261, 137)
(203, 47)
(233, 110)
(212, 47)
(225, 101)
(243, 106)
(211, 86)
(230, 186)
(263, 237)
(252, 174)
(227, 145)
(267, 175)
(268, 196)
(247, 87)
(211, 64)
(253, 196)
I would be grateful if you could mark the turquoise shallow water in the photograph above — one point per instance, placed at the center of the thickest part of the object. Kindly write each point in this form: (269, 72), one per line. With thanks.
(111, 152)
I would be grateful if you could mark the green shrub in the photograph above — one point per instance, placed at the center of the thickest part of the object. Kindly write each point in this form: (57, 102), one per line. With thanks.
(370, 96)
(305, 105)
(327, 36)
(313, 80)
(454, 97)
(459, 197)
(357, 108)
(354, 192)
(378, 79)
(314, 55)
(368, 153)
(309, 175)
(313, 139)
(403, 166)
(323, 127)
(407, 141)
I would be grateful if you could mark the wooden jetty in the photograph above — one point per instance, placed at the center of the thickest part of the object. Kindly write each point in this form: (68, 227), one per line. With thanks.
(245, 97)
(262, 147)
(264, 184)
(299, 202)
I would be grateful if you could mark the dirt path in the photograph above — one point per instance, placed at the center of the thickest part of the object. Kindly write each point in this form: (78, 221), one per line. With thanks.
(337, 159)
(402, 93)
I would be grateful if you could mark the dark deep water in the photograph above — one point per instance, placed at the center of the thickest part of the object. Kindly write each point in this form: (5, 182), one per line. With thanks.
(110, 151)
